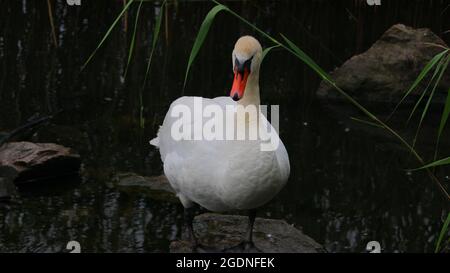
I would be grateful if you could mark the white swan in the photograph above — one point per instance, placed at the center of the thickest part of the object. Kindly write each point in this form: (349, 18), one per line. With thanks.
(222, 175)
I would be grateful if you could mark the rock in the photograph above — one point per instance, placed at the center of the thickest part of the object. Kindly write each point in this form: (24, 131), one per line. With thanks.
(156, 187)
(38, 161)
(388, 69)
(269, 235)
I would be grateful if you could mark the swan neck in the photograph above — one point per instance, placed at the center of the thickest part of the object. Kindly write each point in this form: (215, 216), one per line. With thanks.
(251, 93)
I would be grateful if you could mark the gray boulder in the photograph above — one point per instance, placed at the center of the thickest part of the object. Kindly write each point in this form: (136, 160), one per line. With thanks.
(269, 235)
(388, 69)
(38, 161)
(156, 187)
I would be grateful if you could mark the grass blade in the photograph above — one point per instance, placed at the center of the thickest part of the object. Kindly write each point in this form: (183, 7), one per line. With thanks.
(444, 161)
(266, 51)
(444, 119)
(425, 110)
(201, 35)
(436, 72)
(133, 39)
(156, 31)
(442, 233)
(419, 78)
(366, 122)
(107, 33)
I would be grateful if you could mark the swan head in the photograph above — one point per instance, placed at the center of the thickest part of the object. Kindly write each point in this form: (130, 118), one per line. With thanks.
(246, 60)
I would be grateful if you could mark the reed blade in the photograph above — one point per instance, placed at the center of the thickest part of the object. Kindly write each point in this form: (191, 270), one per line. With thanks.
(419, 78)
(107, 33)
(440, 162)
(133, 39)
(435, 73)
(425, 110)
(443, 232)
(156, 31)
(443, 122)
(266, 51)
(201, 35)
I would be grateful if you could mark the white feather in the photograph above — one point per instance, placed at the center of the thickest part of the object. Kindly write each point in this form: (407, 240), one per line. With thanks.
(220, 175)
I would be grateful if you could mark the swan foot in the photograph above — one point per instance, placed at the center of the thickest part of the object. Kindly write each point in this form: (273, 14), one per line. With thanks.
(243, 247)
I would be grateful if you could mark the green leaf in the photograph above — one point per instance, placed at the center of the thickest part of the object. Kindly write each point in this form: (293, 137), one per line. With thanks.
(133, 39)
(158, 24)
(444, 119)
(156, 31)
(441, 70)
(107, 33)
(442, 233)
(266, 51)
(445, 161)
(419, 78)
(201, 35)
(436, 72)
(366, 122)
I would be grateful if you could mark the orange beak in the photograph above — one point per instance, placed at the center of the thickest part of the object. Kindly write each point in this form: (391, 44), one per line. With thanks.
(239, 83)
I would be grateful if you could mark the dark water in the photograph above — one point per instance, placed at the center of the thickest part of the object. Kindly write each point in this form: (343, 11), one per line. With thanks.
(348, 183)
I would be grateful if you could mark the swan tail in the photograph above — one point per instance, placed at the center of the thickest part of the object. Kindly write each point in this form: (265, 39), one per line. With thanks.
(155, 141)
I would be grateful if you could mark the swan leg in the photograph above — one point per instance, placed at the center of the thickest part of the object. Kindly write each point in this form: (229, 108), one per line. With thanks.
(251, 222)
(247, 245)
(189, 214)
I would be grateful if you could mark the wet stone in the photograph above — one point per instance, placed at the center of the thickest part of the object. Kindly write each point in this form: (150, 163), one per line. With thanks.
(389, 67)
(33, 162)
(219, 232)
(155, 187)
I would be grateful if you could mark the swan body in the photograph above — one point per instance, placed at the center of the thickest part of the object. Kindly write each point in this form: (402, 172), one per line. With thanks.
(221, 175)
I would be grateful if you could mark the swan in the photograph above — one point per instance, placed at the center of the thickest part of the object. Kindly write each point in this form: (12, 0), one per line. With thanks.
(222, 174)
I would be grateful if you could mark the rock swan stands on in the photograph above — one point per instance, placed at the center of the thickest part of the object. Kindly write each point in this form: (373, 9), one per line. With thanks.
(271, 236)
